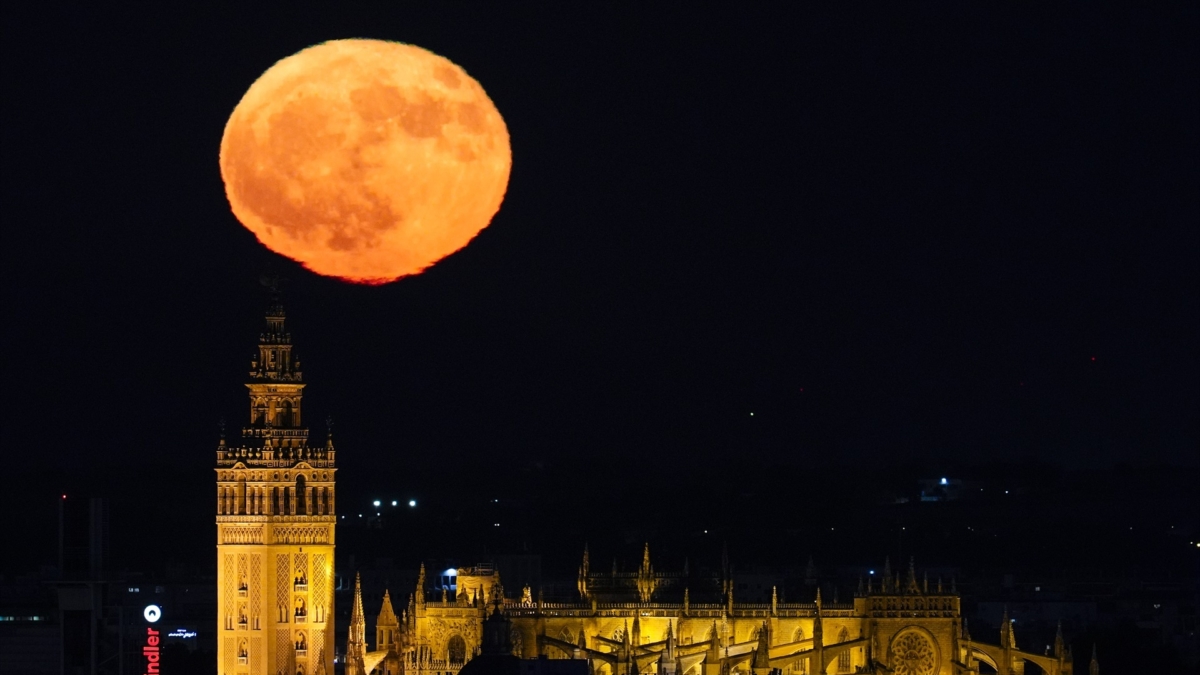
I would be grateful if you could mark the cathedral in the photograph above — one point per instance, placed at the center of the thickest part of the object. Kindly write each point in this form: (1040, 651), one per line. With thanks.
(649, 621)
(275, 580)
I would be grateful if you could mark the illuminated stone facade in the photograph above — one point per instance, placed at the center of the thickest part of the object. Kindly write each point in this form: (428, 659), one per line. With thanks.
(648, 622)
(275, 527)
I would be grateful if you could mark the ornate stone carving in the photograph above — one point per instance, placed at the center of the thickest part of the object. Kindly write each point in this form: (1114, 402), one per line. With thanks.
(913, 654)
(241, 535)
(314, 534)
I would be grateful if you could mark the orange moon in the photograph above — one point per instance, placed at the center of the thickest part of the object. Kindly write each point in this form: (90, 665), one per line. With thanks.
(365, 160)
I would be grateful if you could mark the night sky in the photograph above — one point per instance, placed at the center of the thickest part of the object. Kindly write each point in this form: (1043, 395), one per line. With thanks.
(906, 234)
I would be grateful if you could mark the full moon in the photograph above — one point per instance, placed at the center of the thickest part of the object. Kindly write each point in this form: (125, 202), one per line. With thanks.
(365, 160)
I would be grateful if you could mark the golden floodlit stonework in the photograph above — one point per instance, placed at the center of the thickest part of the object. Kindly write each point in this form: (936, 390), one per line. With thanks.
(276, 523)
(275, 527)
(648, 622)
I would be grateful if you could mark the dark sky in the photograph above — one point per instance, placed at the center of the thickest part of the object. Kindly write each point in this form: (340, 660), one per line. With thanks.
(906, 234)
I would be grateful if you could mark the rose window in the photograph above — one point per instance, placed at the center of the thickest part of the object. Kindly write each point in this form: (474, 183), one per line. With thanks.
(912, 654)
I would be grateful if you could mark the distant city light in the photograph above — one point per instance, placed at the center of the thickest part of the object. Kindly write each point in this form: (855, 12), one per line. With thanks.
(497, 524)
(375, 503)
(945, 482)
(412, 502)
(871, 572)
(752, 414)
(394, 502)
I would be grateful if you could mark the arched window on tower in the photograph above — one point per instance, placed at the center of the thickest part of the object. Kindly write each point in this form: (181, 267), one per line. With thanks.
(301, 502)
(844, 657)
(283, 414)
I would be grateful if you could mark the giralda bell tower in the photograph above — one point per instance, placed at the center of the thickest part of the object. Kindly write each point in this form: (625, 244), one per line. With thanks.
(275, 527)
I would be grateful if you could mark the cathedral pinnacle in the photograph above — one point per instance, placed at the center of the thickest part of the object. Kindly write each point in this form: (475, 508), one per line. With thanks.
(911, 586)
(762, 657)
(356, 644)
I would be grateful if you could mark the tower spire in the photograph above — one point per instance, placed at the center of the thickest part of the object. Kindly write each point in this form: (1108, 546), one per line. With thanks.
(272, 490)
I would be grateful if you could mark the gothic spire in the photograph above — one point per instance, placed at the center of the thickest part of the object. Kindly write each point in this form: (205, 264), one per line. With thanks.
(818, 631)
(911, 586)
(762, 656)
(1007, 639)
(356, 642)
(1094, 666)
(419, 593)
(387, 616)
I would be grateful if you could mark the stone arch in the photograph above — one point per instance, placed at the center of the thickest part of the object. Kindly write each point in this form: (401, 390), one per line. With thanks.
(301, 500)
(456, 649)
(283, 413)
(984, 657)
(800, 665)
(913, 650)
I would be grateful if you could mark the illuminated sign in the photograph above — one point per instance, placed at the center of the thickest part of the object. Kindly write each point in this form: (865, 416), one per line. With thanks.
(150, 651)
(152, 614)
(182, 633)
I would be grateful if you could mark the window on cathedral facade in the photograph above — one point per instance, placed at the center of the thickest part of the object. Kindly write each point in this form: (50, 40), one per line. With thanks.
(844, 657)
